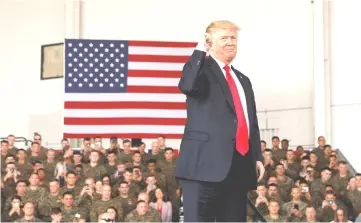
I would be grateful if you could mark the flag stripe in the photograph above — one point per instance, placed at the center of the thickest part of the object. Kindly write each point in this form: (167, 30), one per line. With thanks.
(90, 129)
(155, 89)
(126, 105)
(124, 97)
(124, 121)
(140, 50)
(163, 44)
(148, 81)
(124, 135)
(154, 73)
(155, 66)
(121, 113)
(158, 58)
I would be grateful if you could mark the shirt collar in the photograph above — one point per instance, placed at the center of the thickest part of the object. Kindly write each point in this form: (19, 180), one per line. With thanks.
(220, 63)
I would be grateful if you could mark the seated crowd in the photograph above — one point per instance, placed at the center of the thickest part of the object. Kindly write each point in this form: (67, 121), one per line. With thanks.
(117, 184)
(306, 186)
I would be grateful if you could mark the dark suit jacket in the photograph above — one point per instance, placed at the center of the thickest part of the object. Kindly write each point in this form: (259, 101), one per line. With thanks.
(208, 142)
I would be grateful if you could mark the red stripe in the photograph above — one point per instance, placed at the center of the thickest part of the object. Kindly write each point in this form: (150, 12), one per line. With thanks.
(162, 44)
(154, 73)
(125, 121)
(126, 136)
(157, 58)
(153, 89)
(123, 105)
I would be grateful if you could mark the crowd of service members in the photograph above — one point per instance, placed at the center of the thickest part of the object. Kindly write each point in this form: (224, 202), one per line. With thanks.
(117, 184)
(306, 186)
(94, 184)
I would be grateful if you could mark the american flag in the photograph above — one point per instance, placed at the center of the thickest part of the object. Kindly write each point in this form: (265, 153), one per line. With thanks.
(126, 89)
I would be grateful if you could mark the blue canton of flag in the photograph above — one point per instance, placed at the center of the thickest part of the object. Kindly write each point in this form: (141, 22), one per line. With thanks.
(96, 66)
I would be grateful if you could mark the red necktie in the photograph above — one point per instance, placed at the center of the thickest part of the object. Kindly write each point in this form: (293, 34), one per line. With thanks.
(242, 130)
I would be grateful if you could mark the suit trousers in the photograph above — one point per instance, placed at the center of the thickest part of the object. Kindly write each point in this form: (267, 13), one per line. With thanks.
(224, 201)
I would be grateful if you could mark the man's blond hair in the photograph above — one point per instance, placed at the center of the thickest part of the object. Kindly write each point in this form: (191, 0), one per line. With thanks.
(221, 24)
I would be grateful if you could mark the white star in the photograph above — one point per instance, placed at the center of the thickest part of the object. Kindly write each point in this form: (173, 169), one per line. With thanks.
(80, 54)
(70, 74)
(111, 65)
(96, 80)
(117, 50)
(91, 55)
(75, 80)
(106, 50)
(80, 85)
(101, 55)
(111, 45)
(116, 80)
(112, 55)
(121, 85)
(116, 70)
(106, 60)
(122, 45)
(86, 70)
(117, 60)
(101, 75)
(80, 74)
(80, 44)
(91, 65)
(85, 59)
(75, 49)
(101, 45)
(75, 69)
(69, 84)
(101, 85)
(122, 65)
(70, 65)
(121, 55)
(96, 60)
(91, 75)
(106, 79)
(111, 84)
(90, 85)
(106, 70)
(121, 75)
(85, 79)
(90, 44)
(85, 49)
(96, 70)
(96, 50)
(111, 75)
(69, 55)
(101, 65)
(69, 44)
(80, 65)
(75, 59)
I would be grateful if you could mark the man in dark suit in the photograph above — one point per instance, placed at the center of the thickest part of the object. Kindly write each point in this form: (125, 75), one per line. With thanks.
(220, 153)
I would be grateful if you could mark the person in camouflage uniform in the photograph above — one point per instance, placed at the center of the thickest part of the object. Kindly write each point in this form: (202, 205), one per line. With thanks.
(274, 212)
(51, 200)
(29, 213)
(142, 214)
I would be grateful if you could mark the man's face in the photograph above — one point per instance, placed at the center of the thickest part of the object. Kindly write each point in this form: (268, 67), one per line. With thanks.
(68, 200)
(310, 213)
(358, 181)
(51, 155)
(321, 141)
(86, 143)
(310, 171)
(342, 168)
(313, 158)
(21, 155)
(168, 155)
(124, 188)
(4, 147)
(71, 179)
(53, 187)
(224, 44)
(150, 180)
(327, 151)
(37, 139)
(274, 208)
(284, 145)
(155, 148)
(280, 170)
(64, 144)
(151, 167)
(34, 180)
(111, 157)
(272, 191)
(161, 141)
(326, 175)
(77, 158)
(106, 192)
(35, 148)
(21, 188)
(137, 157)
(141, 148)
(262, 190)
(10, 159)
(330, 197)
(29, 209)
(263, 146)
(127, 146)
(128, 176)
(290, 156)
(94, 157)
(296, 193)
(305, 162)
(97, 140)
(142, 208)
(275, 143)
(11, 140)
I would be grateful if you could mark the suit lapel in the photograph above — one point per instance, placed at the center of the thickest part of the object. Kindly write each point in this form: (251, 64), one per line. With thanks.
(217, 72)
